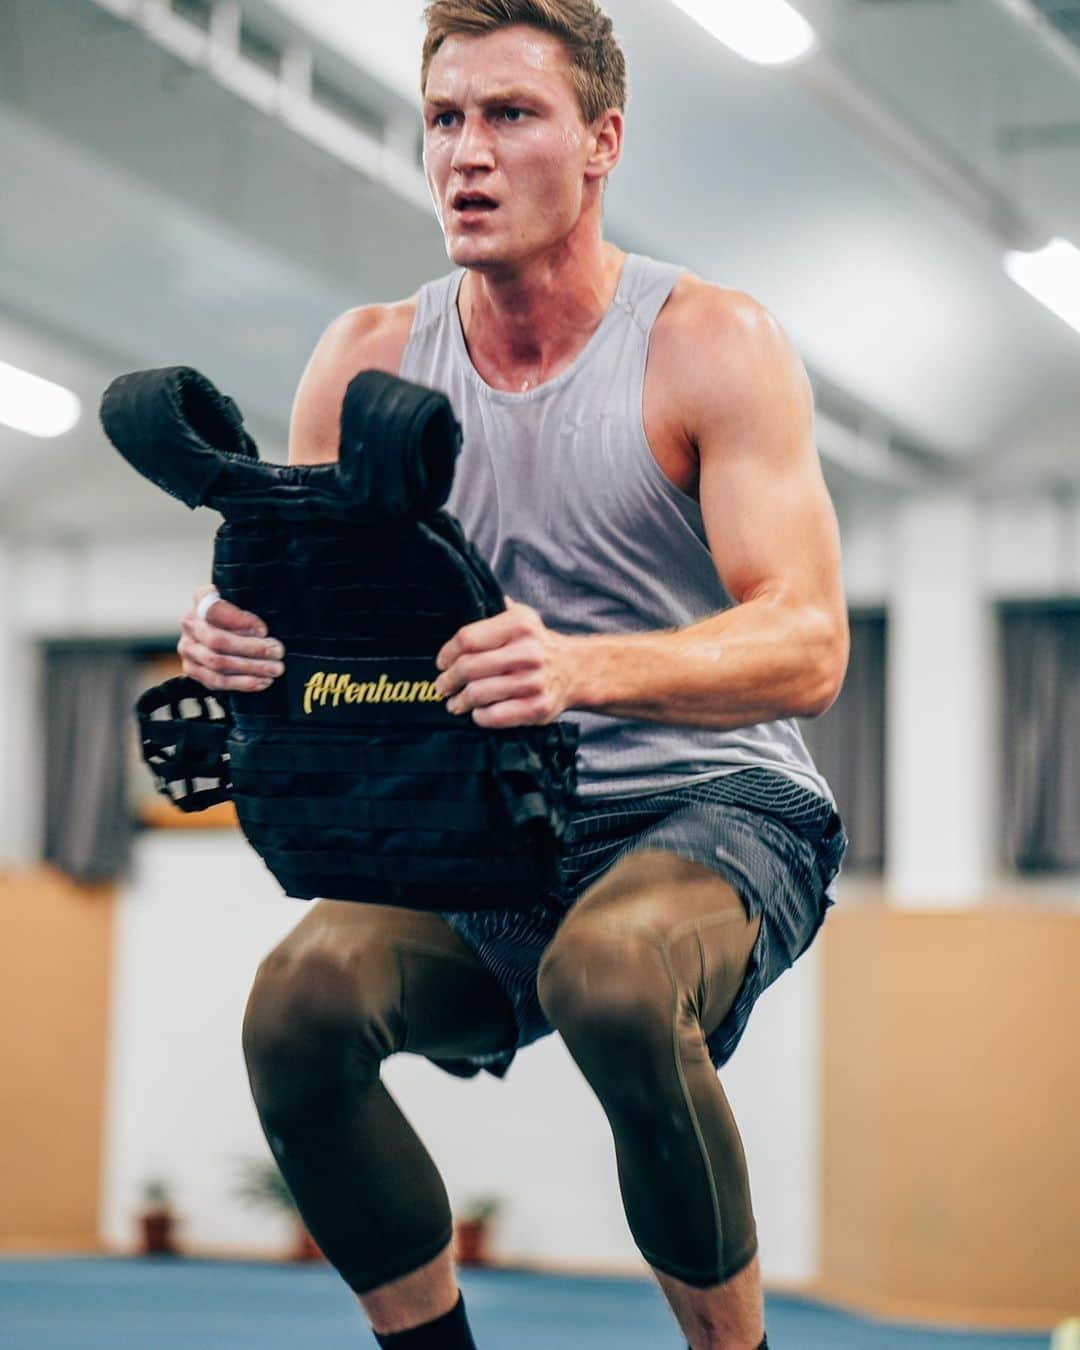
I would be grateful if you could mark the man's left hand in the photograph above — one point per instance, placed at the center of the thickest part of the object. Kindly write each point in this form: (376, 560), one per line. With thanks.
(507, 671)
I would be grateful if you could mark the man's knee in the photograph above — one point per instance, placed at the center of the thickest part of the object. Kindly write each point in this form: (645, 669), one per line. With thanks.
(608, 993)
(320, 1020)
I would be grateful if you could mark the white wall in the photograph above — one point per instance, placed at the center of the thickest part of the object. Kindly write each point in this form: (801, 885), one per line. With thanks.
(195, 917)
(1031, 544)
(941, 733)
(1028, 544)
(20, 789)
(137, 584)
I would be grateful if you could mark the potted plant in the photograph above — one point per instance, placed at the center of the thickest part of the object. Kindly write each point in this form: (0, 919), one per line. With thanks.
(472, 1228)
(157, 1220)
(262, 1185)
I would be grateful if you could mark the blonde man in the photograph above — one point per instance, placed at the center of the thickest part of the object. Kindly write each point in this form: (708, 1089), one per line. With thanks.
(639, 470)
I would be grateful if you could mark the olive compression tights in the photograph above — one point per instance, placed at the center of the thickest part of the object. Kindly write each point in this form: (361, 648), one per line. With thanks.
(647, 963)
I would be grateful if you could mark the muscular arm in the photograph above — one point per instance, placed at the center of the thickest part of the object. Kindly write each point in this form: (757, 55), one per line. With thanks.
(782, 650)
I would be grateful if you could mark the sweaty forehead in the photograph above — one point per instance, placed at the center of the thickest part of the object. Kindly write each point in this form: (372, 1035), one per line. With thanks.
(520, 58)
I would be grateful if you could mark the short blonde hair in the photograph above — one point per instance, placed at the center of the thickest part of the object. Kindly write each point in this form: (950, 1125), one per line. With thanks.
(597, 64)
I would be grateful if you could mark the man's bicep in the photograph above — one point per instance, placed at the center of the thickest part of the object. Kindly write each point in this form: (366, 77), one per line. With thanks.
(372, 338)
(771, 526)
(770, 522)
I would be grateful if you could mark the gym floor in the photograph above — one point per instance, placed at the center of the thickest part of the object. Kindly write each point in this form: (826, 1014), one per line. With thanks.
(98, 1303)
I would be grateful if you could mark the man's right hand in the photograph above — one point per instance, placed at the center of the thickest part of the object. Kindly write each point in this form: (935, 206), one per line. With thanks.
(229, 649)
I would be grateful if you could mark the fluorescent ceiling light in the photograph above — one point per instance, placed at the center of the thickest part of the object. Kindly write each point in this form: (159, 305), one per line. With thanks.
(36, 406)
(769, 32)
(1052, 276)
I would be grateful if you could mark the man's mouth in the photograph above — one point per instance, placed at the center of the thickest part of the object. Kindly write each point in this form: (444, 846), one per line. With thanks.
(466, 202)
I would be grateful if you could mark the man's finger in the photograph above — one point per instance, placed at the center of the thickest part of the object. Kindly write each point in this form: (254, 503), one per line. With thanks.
(238, 665)
(219, 683)
(515, 712)
(479, 666)
(224, 614)
(200, 639)
(481, 636)
(482, 693)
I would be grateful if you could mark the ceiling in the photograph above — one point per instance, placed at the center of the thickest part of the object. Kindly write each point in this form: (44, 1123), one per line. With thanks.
(159, 216)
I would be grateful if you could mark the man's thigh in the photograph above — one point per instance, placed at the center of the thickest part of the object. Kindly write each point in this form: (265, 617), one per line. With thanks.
(408, 969)
(694, 915)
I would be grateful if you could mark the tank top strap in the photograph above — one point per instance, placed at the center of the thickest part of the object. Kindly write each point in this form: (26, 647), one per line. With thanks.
(435, 299)
(645, 287)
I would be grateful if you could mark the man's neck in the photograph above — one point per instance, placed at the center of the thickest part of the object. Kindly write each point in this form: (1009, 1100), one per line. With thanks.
(524, 325)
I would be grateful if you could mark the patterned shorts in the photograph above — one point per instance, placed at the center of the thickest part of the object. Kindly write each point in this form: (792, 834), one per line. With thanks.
(778, 844)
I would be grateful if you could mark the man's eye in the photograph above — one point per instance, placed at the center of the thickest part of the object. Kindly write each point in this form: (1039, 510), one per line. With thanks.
(513, 114)
(443, 119)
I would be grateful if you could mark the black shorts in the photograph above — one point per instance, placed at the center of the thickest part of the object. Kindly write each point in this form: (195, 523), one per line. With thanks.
(780, 846)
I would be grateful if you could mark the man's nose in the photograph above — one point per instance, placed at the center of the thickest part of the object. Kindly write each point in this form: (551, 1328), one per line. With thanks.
(473, 148)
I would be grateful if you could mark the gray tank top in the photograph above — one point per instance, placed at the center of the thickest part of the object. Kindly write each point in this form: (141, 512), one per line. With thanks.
(560, 492)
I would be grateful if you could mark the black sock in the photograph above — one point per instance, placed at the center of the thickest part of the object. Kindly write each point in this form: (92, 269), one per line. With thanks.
(763, 1346)
(449, 1332)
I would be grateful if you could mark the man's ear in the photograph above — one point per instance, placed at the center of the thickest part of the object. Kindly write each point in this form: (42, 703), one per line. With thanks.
(607, 134)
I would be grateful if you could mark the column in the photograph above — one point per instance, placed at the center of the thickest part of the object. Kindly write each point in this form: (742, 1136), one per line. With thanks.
(942, 674)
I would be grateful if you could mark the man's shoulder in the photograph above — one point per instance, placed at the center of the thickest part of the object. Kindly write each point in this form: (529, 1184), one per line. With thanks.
(718, 356)
(371, 337)
(723, 341)
(701, 312)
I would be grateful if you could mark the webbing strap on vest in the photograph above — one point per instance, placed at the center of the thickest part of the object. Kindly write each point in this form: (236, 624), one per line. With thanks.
(349, 776)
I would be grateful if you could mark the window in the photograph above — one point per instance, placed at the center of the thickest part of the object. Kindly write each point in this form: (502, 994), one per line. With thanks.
(1040, 735)
(848, 744)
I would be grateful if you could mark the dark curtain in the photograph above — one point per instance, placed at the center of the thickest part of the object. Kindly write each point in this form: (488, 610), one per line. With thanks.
(848, 744)
(1040, 739)
(87, 706)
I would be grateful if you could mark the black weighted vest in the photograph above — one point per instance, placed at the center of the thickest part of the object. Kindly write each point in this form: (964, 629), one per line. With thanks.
(349, 776)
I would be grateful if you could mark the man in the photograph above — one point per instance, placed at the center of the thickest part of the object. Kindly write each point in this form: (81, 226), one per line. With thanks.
(639, 470)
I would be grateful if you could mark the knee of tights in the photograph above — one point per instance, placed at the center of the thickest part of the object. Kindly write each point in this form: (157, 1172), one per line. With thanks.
(317, 1024)
(611, 997)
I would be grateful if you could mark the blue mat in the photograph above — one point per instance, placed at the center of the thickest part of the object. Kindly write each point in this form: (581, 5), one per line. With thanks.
(98, 1303)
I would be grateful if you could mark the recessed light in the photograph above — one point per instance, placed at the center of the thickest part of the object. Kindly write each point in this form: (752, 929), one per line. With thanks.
(1052, 275)
(38, 407)
(767, 32)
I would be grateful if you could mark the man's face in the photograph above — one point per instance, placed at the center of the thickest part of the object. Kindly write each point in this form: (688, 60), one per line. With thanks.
(505, 146)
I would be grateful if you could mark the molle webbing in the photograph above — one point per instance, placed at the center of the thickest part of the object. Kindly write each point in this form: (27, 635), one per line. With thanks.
(348, 775)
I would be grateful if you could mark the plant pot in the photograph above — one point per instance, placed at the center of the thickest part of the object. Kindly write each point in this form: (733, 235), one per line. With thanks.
(471, 1242)
(158, 1228)
(305, 1248)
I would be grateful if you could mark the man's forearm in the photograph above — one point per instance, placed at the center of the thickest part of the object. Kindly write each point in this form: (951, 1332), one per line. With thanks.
(757, 662)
